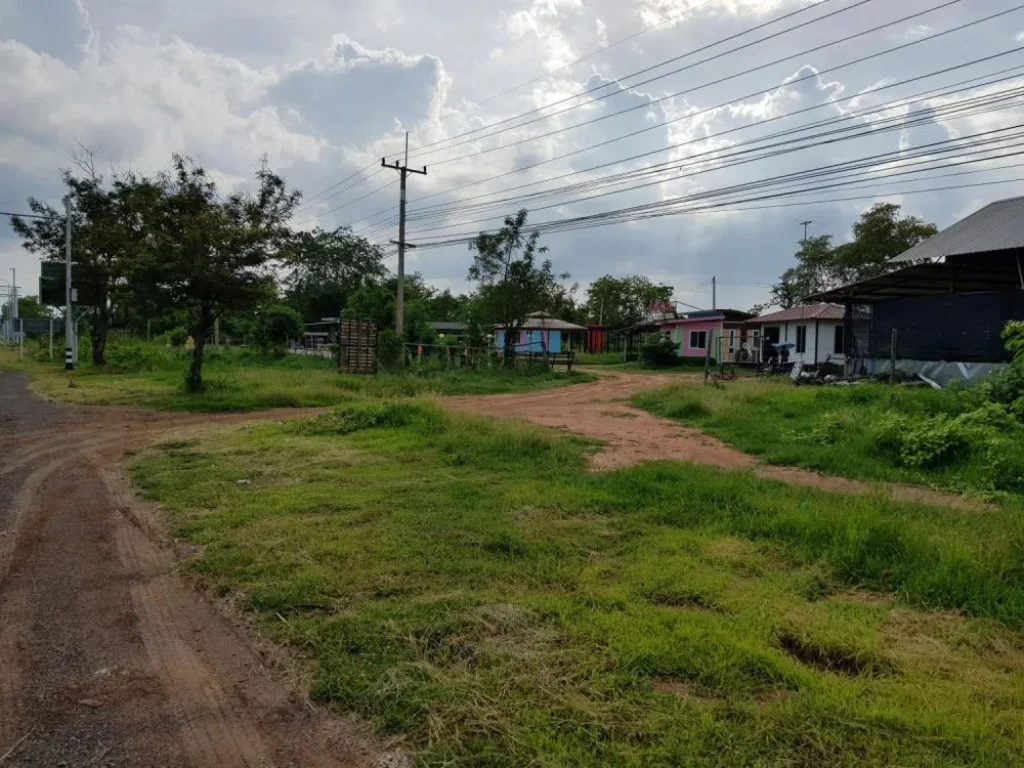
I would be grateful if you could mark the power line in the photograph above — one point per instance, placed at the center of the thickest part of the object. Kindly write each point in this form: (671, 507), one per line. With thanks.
(31, 216)
(759, 68)
(754, 94)
(938, 92)
(977, 105)
(645, 70)
(899, 152)
(672, 207)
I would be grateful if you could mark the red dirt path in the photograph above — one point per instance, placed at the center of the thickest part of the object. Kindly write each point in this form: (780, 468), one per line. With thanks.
(600, 410)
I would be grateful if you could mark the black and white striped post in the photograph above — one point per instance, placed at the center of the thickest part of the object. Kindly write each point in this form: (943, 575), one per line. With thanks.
(69, 326)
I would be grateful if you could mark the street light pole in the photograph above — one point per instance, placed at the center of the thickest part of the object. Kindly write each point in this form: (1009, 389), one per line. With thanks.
(69, 326)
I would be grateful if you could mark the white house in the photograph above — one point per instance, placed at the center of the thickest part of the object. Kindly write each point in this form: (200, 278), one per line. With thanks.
(816, 330)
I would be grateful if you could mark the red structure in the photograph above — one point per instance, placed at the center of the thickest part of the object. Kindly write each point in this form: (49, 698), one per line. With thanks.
(597, 339)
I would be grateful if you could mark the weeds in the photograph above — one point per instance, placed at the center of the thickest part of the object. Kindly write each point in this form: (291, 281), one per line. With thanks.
(467, 584)
(946, 439)
(146, 374)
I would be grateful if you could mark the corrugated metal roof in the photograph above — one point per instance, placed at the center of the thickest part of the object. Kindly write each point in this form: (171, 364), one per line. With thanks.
(996, 227)
(542, 321)
(805, 312)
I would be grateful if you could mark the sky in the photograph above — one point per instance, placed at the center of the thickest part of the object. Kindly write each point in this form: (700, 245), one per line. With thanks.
(529, 91)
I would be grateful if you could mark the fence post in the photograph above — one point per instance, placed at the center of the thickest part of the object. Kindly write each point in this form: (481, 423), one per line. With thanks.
(51, 337)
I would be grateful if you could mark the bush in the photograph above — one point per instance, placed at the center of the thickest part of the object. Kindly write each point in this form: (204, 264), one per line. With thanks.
(940, 440)
(276, 326)
(389, 349)
(177, 337)
(660, 354)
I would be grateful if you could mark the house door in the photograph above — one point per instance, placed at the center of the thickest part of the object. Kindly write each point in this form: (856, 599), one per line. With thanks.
(772, 335)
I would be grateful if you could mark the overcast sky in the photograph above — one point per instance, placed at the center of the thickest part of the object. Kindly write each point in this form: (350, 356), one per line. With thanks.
(325, 88)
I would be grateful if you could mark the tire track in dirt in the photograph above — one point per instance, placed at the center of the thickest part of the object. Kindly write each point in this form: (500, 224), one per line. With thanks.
(631, 436)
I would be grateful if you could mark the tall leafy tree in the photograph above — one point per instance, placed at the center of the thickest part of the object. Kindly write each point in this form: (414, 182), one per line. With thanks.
(325, 269)
(214, 254)
(511, 282)
(620, 302)
(879, 236)
(108, 236)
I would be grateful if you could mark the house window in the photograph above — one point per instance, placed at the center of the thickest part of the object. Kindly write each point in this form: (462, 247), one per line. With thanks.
(732, 340)
(698, 339)
(801, 339)
(839, 348)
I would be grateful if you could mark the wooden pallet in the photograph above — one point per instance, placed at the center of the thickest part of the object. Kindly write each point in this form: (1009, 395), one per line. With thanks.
(357, 347)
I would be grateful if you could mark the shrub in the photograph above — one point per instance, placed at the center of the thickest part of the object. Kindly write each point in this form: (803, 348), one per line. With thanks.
(276, 326)
(389, 349)
(177, 337)
(354, 418)
(660, 354)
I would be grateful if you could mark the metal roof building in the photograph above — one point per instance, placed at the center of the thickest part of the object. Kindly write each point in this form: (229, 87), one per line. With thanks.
(948, 304)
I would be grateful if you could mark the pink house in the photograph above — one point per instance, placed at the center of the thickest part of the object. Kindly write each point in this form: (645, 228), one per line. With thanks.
(720, 330)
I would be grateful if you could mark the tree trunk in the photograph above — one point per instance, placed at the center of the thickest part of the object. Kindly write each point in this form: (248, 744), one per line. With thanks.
(194, 379)
(99, 341)
(509, 358)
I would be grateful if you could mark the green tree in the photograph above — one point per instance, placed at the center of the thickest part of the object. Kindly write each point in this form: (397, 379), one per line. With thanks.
(28, 307)
(277, 325)
(620, 302)
(108, 232)
(511, 283)
(327, 268)
(879, 236)
(213, 254)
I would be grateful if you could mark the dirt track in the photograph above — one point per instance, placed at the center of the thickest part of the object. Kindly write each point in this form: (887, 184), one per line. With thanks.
(107, 658)
(600, 410)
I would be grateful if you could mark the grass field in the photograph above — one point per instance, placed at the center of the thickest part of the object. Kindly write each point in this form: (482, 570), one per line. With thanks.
(465, 583)
(239, 380)
(848, 431)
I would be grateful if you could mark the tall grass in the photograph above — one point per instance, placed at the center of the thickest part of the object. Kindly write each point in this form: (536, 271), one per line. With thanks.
(467, 584)
(870, 431)
(152, 375)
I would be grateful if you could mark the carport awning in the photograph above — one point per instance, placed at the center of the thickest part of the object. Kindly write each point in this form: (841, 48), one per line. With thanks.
(975, 273)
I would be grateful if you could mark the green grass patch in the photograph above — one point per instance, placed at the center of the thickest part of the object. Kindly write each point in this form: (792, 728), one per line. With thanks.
(152, 376)
(946, 439)
(466, 583)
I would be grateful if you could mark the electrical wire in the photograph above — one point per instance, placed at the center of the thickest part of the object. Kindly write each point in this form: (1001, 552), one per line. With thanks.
(645, 70)
(867, 132)
(761, 67)
(754, 94)
(938, 92)
(968, 107)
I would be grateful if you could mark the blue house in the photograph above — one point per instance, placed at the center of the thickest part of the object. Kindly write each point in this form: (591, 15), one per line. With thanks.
(541, 333)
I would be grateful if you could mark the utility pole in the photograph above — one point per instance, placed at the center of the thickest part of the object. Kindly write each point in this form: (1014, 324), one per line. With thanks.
(805, 225)
(404, 171)
(69, 326)
(714, 293)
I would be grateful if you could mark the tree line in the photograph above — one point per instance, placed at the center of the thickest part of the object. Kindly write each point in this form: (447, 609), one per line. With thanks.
(171, 252)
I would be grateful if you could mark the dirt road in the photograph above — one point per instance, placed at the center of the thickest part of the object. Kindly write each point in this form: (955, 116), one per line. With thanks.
(601, 410)
(107, 658)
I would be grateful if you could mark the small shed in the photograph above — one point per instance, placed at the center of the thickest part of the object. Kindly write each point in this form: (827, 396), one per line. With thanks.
(543, 333)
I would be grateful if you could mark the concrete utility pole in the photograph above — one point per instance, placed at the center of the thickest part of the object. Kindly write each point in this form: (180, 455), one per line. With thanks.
(404, 171)
(69, 325)
(805, 225)
(714, 293)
